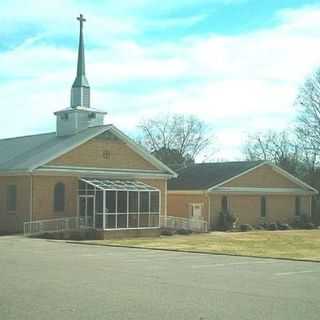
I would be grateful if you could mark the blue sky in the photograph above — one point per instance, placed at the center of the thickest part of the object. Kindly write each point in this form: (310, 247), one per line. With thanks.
(236, 64)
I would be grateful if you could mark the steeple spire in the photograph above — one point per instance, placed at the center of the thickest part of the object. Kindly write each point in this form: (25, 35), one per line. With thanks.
(80, 91)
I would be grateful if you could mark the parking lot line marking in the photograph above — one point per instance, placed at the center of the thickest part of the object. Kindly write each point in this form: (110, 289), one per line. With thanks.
(293, 273)
(231, 264)
(240, 263)
(198, 266)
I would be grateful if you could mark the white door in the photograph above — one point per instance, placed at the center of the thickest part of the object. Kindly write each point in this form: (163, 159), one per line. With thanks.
(87, 209)
(196, 211)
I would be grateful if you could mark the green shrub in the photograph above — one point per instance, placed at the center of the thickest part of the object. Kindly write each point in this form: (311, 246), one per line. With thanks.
(226, 220)
(272, 226)
(304, 222)
(166, 232)
(245, 227)
(283, 226)
(309, 226)
(184, 231)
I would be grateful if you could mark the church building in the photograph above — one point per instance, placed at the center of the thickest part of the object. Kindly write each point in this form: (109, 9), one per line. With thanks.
(90, 175)
(86, 169)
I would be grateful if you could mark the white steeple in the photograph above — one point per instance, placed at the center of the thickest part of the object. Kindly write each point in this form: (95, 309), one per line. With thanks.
(79, 116)
(80, 91)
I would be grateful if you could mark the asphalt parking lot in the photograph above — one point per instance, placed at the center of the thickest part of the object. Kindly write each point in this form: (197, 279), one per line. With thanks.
(41, 279)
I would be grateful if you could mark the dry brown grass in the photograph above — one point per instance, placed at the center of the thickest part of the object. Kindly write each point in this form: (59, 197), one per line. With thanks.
(295, 244)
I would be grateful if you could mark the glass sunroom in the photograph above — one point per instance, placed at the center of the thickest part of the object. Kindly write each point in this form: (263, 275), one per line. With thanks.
(108, 204)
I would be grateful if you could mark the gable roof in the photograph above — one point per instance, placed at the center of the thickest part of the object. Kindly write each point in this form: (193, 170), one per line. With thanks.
(210, 176)
(202, 176)
(30, 152)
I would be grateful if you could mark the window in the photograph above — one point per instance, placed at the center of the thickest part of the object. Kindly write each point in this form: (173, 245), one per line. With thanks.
(64, 116)
(110, 202)
(122, 202)
(298, 206)
(99, 201)
(12, 198)
(263, 207)
(111, 209)
(92, 115)
(144, 202)
(224, 204)
(133, 209)
(122, 215)
(154, 202)
(133, 202)
(59, 197)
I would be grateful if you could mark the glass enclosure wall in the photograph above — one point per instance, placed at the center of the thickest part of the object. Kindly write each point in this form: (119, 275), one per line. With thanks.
(129, 205)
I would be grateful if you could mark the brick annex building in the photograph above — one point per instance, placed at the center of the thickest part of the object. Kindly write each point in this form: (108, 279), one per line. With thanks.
(256, 192)
(84, 169)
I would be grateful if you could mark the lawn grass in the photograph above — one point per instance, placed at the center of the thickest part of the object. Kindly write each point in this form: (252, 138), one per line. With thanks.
(294, 244)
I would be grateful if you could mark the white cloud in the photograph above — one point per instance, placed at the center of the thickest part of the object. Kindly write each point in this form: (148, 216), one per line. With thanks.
(238, 84)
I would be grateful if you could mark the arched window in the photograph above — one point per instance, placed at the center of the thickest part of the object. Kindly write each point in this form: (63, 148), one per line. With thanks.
(59, 195)
(224, 204)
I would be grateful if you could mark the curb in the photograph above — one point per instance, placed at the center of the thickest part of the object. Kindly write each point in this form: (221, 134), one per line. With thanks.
(191, 251)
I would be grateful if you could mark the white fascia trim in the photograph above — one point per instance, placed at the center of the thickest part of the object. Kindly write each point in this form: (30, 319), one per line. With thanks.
(15, 173)
(293, 178)
(58, 167)
(237, 176)
(252, 190)
(142, 152)
(99, 173)
(66, 150)
(188, 192)
(152, 189)
(89, 110)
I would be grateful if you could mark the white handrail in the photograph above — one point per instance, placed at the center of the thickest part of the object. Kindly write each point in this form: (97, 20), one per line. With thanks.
(56, 225)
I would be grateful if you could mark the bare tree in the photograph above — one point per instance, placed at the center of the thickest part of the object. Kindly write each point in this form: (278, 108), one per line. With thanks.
(275, 147)
(308, 105)
(174, 138)
(288, 152)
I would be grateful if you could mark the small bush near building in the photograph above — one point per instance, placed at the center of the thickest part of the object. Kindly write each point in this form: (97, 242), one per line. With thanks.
(304, 222)
(272, 226)
(183, 231)
(166, 232)
(245, 227)
(309, 226)
(227, 220)
(283, 226)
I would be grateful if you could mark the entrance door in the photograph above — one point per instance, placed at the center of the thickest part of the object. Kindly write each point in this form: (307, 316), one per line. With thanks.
(87, 209)
(196, 211)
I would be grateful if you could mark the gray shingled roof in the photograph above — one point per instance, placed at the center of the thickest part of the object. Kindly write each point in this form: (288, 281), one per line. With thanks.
(202, 176)
(28, 152)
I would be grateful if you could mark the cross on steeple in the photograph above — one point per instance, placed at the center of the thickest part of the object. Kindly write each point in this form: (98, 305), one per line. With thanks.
(81, 20)
(80, 92)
